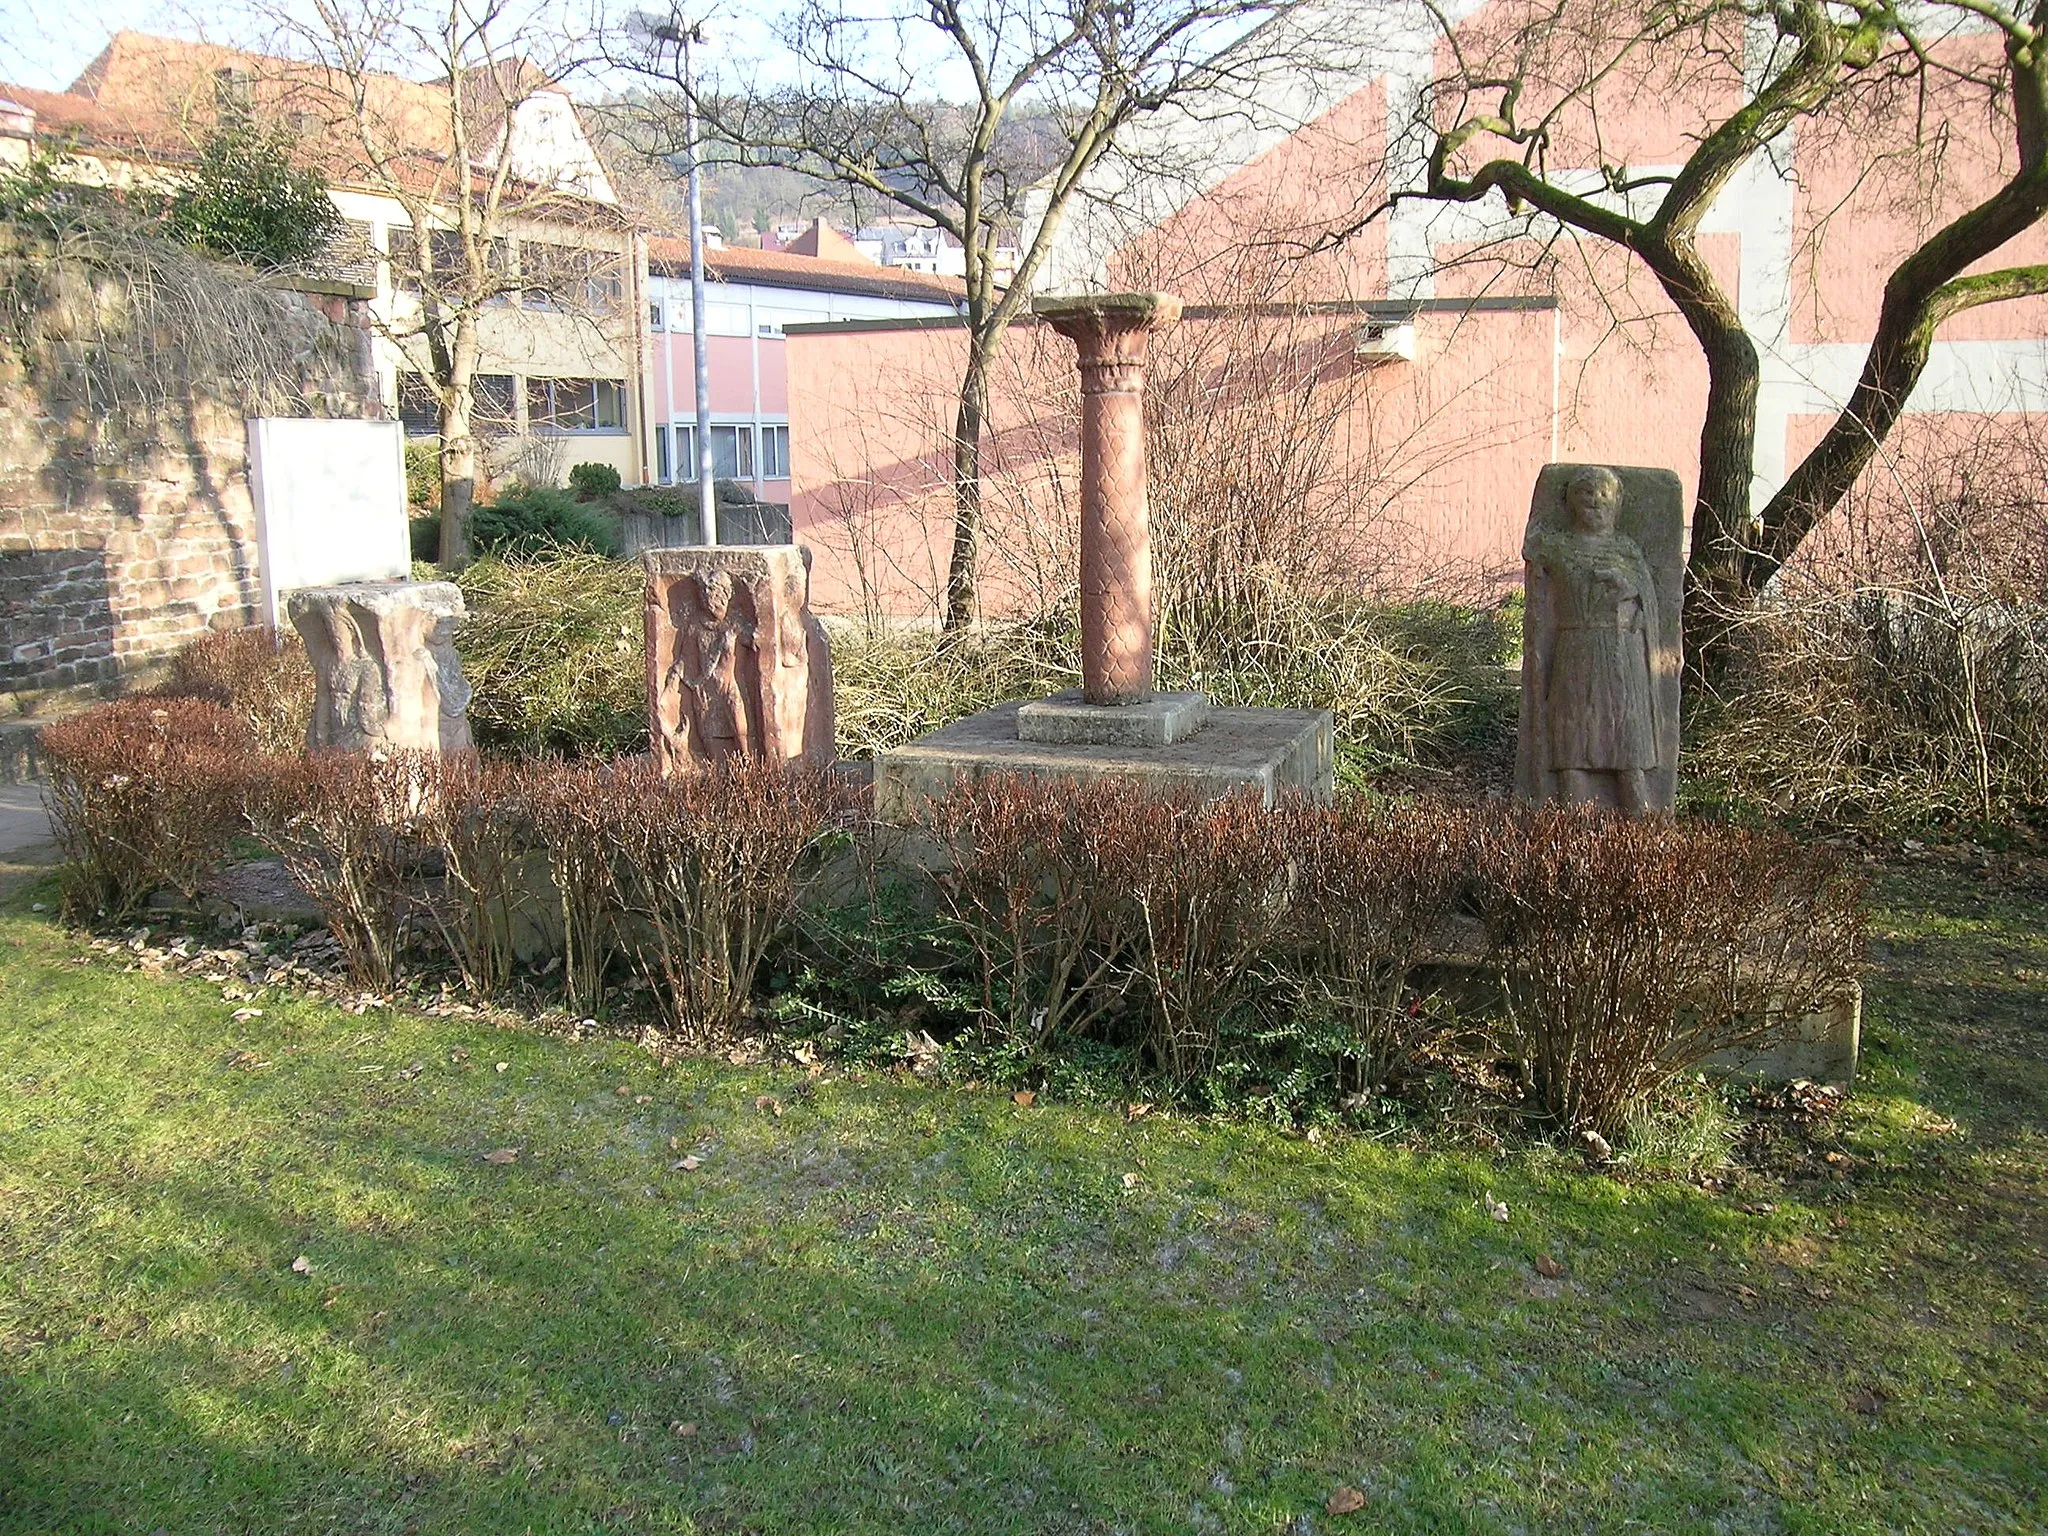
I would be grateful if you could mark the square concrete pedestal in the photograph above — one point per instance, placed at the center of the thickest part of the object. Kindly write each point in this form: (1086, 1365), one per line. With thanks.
(1069, 720)
(1271, 750)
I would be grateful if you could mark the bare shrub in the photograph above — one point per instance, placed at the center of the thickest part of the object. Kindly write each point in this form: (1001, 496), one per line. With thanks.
(348, 826)
(475, 817)
(265, 682)
(143, 794)
(1380, 887)
(1025, 887)
(1898, 673)
(707, 870)
(1211, 884)
(1635, 948)
(573, 806)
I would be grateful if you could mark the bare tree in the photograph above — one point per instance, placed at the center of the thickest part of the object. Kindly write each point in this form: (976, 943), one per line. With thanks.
(423, 100)
(956, 112)
(1537, 105)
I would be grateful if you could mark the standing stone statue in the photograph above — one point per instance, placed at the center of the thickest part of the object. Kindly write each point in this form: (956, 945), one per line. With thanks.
(1600, 639)
(737, 665)
(385, 672)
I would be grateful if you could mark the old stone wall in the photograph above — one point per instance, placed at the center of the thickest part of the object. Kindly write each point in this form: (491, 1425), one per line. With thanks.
(126, 524)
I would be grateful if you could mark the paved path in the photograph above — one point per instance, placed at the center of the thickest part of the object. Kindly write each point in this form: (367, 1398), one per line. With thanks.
(27, 846)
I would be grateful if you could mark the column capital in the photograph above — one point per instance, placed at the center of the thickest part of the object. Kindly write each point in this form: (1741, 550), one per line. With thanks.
(1108, 328)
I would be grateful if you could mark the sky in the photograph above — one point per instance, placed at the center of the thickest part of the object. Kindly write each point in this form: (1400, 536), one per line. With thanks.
(44, 46)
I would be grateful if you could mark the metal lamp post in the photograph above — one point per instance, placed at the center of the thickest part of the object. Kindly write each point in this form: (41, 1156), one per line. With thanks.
(707, 498)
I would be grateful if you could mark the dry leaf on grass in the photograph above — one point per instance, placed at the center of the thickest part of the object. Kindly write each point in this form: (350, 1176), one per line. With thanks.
(1345, 1501)
(502, 1156)
(1024, 1098)
(769, 1104)
(1548, 1267)
(302, 1265)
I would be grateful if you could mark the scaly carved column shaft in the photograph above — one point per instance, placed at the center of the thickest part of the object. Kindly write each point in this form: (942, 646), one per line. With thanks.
(1111, 333)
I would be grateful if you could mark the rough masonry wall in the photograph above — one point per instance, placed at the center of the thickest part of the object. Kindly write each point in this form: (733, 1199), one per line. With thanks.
(126, 525)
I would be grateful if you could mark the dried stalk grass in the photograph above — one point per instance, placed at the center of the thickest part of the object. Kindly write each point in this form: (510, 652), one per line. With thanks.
(555, 652)
(1898, 674)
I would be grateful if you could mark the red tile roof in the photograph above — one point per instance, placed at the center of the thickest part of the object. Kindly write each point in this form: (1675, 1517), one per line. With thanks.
(783, 269)
(155, 99)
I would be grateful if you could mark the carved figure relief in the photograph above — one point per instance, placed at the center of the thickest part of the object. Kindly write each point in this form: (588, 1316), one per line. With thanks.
(1600, 639)
(730, 649)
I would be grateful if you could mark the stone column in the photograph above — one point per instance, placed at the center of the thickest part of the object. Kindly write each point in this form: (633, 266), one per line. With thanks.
(385, 672)
(1111, 332)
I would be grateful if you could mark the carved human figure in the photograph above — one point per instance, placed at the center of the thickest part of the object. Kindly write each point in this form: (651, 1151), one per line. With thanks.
(1594, 651)
(732, 660)
(713, 675)
(386, 673)
(820, 738)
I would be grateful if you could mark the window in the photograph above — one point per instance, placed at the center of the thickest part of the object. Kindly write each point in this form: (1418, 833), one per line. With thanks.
(576, 405)
(732, 452)
(569, 277)
(686, 454)
(234, 92)
(727, 320)
(445, 252)
(400, 245)
(664, 472)
(492, 403)
(774, 453)
(654, 316)
(352, 253)
(491, 398)
(419, 404)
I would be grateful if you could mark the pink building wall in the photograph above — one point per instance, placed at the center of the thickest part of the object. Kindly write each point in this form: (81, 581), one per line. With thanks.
(1608, 373)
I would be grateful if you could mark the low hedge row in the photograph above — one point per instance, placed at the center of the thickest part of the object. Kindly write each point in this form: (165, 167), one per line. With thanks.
(1337, 946)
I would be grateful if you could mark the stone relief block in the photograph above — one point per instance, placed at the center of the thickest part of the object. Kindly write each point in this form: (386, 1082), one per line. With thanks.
(737, 664)
(384, 666)
(1600, 638)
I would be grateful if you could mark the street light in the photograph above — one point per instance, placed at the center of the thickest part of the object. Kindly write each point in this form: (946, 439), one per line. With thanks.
(684, 37)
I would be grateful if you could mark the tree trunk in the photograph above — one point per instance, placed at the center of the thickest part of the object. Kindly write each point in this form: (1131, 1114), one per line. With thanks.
(458, 447)
(1716, 568)
(1717, 577)
(961, 571)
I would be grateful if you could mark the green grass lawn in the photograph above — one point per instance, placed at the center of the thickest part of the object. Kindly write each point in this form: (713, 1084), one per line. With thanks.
(897, 1308)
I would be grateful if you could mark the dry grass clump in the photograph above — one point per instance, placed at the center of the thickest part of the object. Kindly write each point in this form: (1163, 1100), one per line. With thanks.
(1417, 684)
(264, 681)
(894, 685)
(1899, 674)
(1887, 708)
(554, 649)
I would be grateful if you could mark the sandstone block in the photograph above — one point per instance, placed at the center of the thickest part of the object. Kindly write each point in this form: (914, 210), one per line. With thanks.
(737, 664)
(384, 665)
